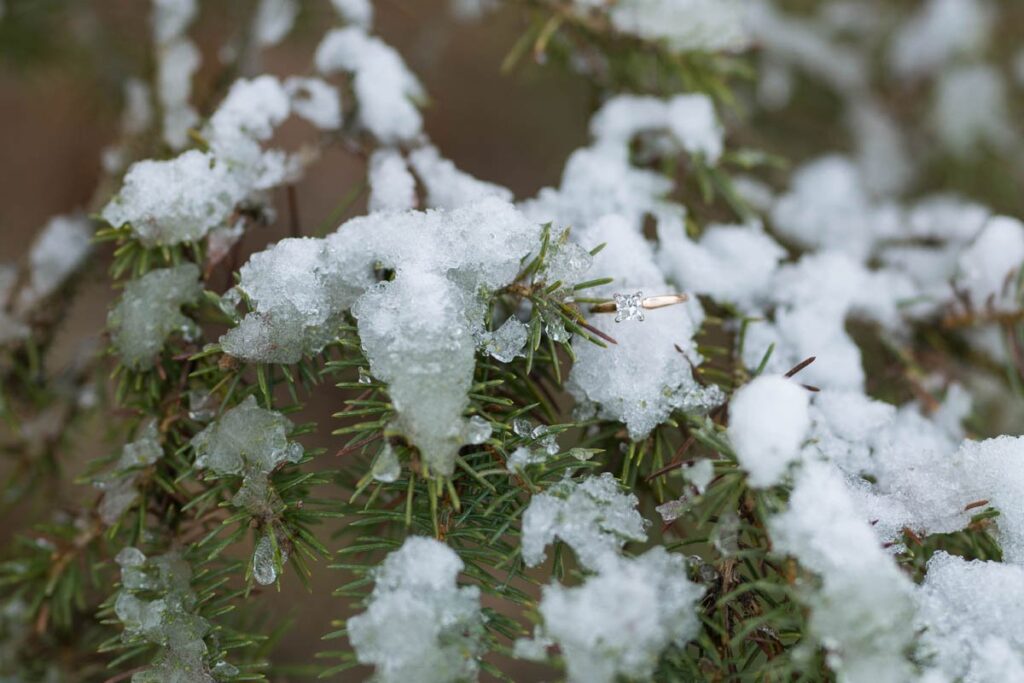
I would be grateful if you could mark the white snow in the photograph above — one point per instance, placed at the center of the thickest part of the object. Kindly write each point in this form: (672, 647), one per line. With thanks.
(593, 516)
(617, 623)
(385, 88)
(768, 420)
(392, 186)
(419, 624)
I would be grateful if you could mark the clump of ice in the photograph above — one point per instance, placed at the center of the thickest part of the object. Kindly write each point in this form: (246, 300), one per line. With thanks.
(385, 88)
(392, 186)
(299, 294)
(477, 430)
(971, 627)
(119, 486)
(171, 18)
(593, 516)
(567, 262)
(250, 442)
(149, 311)
(863, 610)
(699, 475)
(169, 621)
(523, 457)
(419, 623)
(418, 330)
(768, 420)
(619, 622)
(800, 43)
(685, 25)
(506, 343)
(448, 187)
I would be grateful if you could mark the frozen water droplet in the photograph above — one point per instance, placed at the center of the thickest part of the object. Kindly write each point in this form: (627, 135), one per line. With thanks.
(555, 329)
(264, 569)
(629, 307)
(672, 510)
(386, 467)
(507, 342)
(521, 426)
(539, 431)
(726, 534)
(583, 454)
(365, 377)
(230, 300)
(200, 406)
(225, 670)
(130, 557)
(478, 430)
(522, 457)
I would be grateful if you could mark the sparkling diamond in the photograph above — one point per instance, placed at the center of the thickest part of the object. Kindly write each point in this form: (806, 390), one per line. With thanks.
(629, 307)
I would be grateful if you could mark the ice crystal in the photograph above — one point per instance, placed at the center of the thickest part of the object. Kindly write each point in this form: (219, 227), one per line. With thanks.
(250, 442)
(478, 430)
(169, 621)
(149, 311)
(506, 343)
(705, 25)
(971, 630)
(119, 487)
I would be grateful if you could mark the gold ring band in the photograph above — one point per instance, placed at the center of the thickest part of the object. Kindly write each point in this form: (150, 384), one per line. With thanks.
(649, 303)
